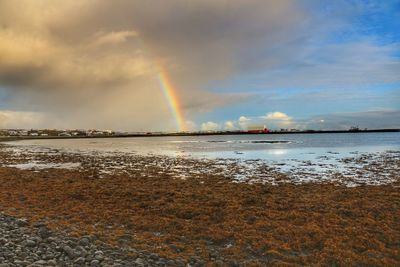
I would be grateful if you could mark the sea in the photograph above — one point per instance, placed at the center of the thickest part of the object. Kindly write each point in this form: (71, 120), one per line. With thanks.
(263, 146)
(351, 159)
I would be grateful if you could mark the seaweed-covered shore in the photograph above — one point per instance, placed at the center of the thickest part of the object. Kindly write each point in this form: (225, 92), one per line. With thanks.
(209, 217)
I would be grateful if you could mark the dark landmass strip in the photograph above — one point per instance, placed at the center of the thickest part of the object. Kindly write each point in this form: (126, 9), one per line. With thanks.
(150, 134)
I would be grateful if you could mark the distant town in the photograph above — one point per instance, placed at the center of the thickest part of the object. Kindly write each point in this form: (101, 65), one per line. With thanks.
(79, 133)
(54, 132)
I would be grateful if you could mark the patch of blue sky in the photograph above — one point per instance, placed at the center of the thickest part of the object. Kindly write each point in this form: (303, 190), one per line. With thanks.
(377, 21)
(306, 102)
(4, 104)
(388, 87)
(349, 22)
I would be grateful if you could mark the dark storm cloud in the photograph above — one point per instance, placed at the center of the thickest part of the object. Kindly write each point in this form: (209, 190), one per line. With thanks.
(101, 58)
(96, 63)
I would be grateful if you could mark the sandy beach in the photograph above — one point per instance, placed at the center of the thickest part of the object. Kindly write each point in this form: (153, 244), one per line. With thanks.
(203, 218)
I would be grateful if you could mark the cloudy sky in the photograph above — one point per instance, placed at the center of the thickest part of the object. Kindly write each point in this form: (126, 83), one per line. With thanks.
(233, 63)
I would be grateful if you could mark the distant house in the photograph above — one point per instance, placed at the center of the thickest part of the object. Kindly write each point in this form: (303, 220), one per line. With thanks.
(257, 129)
(23, 133)
(64, 134)
(13, 133)
(108, 132)
(97, 133)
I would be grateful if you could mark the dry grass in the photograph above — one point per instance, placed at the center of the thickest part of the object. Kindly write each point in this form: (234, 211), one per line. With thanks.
(285, 224)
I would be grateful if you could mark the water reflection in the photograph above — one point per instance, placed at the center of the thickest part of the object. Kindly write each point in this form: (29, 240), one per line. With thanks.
(277, 152)
(304, 157)
(263, 147)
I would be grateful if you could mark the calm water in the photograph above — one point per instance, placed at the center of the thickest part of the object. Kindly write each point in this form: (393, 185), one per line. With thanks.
(304, 157)
(266, 147)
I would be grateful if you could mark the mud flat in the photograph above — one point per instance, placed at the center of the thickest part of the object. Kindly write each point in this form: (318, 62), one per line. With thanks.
(179, 211)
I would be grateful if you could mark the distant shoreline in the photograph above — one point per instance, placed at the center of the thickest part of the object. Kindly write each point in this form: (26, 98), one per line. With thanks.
(16, 138)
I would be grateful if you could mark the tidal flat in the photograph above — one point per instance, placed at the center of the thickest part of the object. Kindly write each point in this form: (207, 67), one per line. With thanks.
(157, 210)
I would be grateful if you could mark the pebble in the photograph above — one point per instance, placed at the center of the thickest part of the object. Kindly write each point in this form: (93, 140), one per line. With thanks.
(94, 263)
(140, 262)
(30, 243)
(69, 251)
(80, 260)
(32, 246)
(22, 222)
(84, 241)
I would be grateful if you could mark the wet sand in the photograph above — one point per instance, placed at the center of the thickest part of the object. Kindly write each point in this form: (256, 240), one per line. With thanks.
(200, 214)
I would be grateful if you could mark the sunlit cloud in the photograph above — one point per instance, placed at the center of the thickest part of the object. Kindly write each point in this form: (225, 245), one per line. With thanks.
(230, 126)
(210, 126)
(277, 115)
(244, 122)
(113, 37)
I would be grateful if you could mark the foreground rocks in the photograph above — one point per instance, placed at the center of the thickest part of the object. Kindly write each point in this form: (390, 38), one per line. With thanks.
(22, 244)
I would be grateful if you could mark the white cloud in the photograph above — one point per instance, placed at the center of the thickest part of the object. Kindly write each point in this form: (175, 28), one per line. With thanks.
(244, 119)
(117, 37)
(210, 126)
(374, 119)
(244, 122)
(278, 119)
(277, 115)
(230, 125)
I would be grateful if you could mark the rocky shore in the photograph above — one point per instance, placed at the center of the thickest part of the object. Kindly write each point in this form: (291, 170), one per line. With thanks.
(142, 212)
(36, 245)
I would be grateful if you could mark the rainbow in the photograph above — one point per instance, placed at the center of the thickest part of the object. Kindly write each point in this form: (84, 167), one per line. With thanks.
(171, 96)
(167, 88)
